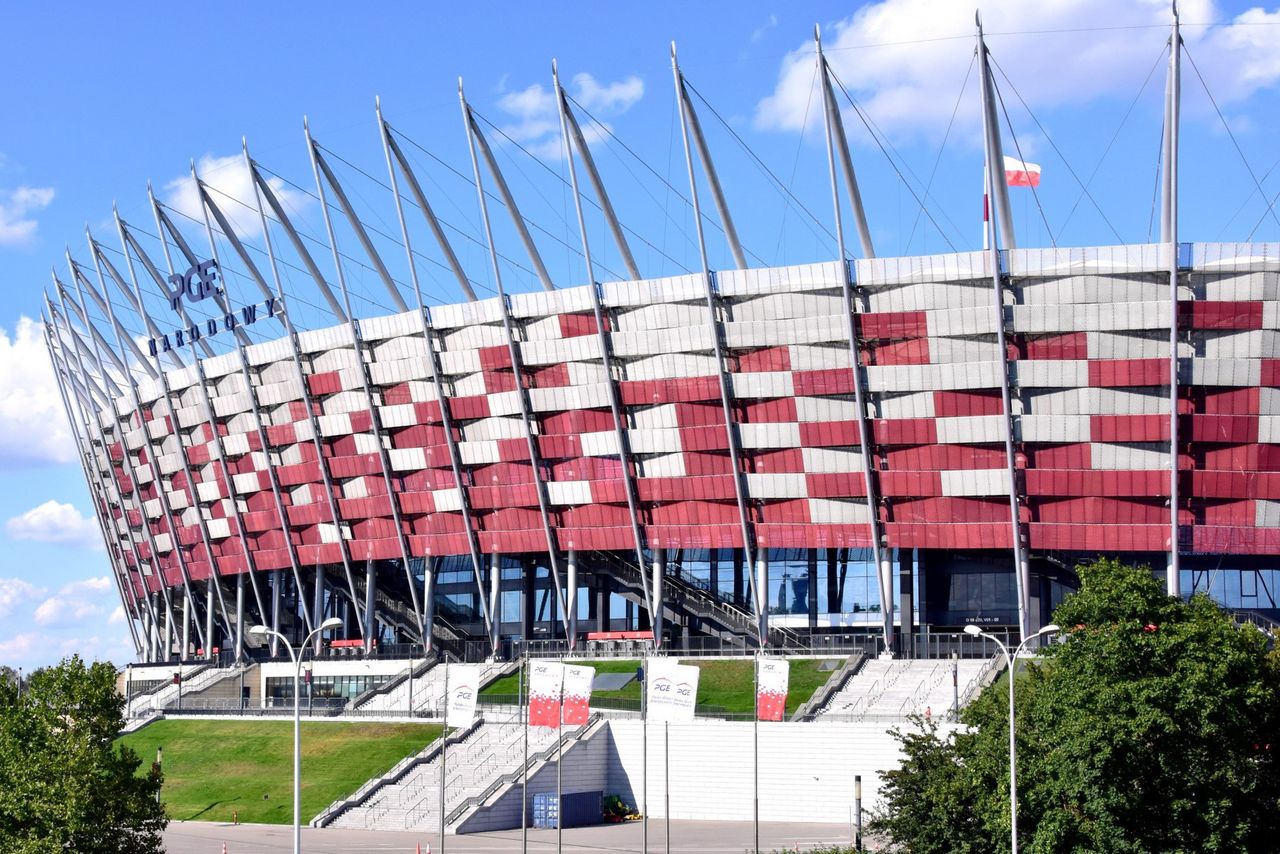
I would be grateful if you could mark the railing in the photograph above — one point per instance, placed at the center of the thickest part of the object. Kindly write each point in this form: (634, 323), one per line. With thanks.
(830, 688)
(510, 777)
(412, 671)
(981, 679)
(393, 776)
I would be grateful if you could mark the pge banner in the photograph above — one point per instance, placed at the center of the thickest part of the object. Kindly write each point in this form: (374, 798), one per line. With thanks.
(772, 678)
(577, 694)
(464, 686)
(546, 679)
(671, 690)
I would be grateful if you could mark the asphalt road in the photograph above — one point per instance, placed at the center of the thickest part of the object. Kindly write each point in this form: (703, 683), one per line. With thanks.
(690, 837)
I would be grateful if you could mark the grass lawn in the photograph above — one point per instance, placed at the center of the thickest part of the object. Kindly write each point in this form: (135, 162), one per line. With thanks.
(214, 767)
(724, 686)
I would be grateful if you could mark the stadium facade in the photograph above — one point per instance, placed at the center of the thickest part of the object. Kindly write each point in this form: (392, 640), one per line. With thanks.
(756, 455)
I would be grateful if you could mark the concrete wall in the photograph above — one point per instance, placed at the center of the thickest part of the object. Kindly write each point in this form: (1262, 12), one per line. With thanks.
(806, 771)
(587, 768)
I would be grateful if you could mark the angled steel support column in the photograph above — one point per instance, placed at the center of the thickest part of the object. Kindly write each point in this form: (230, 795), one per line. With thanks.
(101, 261)
(604, 335)
(318, 161)
(717, 337)
(210, 420)
(89, 464)
(690, 125)
(124, 340)
(517, 363)
(265, 193)
(478, 140)
(1169, 236)
(313, 422)
(127, 463)
(86, 384)
(836, 139)
(260, 429)
(997, 188)
(390, 149)
(1021, 569)
(154, 462)
(362, 365)
(593, 174)
(866, 437)
(92, 429)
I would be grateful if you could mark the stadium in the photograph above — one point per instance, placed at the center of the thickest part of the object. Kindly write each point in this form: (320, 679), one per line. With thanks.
(873, 451)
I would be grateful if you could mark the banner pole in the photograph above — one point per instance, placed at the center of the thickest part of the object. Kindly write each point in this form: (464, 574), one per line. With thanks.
(755, 751)
(523, 710)
(644, 761)
(666, 781)
(560, 766)
(444, 750)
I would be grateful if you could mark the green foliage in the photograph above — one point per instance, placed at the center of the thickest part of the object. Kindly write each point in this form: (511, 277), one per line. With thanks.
(64, 783)
(216, 769)
(1152, 727)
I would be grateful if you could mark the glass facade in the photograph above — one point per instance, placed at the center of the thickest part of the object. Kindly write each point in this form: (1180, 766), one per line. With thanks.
(324, 687)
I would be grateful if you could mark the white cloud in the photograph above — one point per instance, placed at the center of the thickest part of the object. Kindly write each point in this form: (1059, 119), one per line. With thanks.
(117, 616)
(20, 648)
(537, 125)
(17, 227)
(228, 178)
(54, 522)
(760, 31)
(33, 424)
(77, 601)
(14, 592)
(904, 60)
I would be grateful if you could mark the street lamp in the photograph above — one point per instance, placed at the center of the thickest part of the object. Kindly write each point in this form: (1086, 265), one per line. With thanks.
(1011, 661)
(331, 623)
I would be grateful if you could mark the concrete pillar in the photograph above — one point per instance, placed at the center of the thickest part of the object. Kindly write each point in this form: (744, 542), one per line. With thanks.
(495, 598)
(186, 626)
(602, 602)
(272, 640)
(571, 597)
(370, 599)
(239, 617)
(906, 602)
(317, 611)
(431, 566)
(762, 590)
(208, 619)
(659, 570)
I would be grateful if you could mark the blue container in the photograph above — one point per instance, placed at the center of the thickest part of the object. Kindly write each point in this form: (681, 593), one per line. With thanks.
(579, 809)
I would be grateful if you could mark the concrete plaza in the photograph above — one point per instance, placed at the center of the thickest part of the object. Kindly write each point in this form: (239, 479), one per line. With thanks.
(696, 837)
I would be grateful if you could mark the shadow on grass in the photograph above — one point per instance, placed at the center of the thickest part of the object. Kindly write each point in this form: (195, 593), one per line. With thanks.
(196, 815)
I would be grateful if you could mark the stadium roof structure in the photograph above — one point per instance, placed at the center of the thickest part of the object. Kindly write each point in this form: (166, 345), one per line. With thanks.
(249, 425)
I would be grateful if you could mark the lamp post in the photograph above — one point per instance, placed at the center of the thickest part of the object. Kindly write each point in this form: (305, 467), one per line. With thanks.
(1011, 661)
(331, 623)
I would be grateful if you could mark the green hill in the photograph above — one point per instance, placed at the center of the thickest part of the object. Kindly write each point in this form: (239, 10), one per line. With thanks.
(213, 767)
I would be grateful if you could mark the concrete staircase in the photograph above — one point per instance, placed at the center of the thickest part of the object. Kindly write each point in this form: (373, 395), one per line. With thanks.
(490, 753)
(887, 687)
(223, 693)
(428, 689)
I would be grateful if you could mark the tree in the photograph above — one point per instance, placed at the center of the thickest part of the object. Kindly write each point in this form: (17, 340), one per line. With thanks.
(1152, 726)
(65, 785)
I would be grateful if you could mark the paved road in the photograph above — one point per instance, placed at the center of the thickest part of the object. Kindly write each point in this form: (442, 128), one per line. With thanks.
(689, 837)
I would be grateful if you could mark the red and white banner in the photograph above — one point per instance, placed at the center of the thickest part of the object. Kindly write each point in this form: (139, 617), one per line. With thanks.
(671, 690)
(1020, 174)
(546, 680)
(464, 687)
(772, 678)
(577, 694)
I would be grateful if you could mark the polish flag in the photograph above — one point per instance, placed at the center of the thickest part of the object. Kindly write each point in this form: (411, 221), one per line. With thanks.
(1019, 174)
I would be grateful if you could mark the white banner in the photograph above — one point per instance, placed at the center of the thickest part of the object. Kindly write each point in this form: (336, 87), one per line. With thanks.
(464, 686)
(545, 681)
(772, 677)
(671, 690)
(577, 694)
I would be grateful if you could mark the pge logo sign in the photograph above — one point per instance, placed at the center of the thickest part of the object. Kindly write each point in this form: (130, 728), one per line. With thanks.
(197, 283)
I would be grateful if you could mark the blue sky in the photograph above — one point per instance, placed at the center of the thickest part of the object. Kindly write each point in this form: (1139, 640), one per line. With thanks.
(98, 102)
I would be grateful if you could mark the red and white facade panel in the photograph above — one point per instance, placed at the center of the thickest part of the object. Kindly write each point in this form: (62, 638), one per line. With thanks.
(1087, 356)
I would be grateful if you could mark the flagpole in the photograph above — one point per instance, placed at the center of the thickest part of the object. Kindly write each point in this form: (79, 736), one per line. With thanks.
(523, 710)
(755, 750)
(560, 765)
(666, 779)
(644, 760)
(444, 750)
